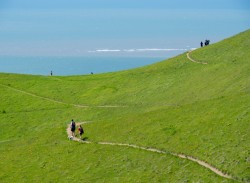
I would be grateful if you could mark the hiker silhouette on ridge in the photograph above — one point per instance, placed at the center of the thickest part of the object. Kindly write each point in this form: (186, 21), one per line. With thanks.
(207, 42)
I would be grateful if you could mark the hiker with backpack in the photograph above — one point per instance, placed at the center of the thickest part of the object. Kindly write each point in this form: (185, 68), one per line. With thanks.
(80, 130)
(207, 42)
(73, 127)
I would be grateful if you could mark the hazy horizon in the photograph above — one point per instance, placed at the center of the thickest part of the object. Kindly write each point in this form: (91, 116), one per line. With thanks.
(151, 28)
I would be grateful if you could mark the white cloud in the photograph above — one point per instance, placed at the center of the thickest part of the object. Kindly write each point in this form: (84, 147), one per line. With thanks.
(193, 48)
(139, 50)
(107, 50)
(161, 49)
(129, 50)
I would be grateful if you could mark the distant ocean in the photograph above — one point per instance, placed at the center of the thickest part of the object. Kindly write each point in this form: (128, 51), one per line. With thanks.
(63, 66)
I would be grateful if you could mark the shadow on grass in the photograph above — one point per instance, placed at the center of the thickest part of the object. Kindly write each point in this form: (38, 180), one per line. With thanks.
(84, 138)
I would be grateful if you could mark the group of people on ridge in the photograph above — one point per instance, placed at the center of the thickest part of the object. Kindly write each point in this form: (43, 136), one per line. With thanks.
(73, 129)
(206, 42)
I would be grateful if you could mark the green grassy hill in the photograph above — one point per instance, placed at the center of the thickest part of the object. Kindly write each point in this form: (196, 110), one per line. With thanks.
(175, 105)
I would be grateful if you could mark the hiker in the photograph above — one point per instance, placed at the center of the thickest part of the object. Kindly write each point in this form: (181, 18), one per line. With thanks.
(73, 127)
(80, 129)
(201, 44)
(207, 42)
(51, 73)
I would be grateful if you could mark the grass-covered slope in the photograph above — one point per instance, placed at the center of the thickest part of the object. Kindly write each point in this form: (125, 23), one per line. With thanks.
(174, 105)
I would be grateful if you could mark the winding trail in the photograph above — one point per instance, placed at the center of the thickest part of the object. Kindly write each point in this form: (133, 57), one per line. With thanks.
(56, 101)
(3, 141)
(200, 162)
(188, 56)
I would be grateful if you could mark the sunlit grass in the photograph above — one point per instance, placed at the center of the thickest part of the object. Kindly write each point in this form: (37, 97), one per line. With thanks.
(174, 105)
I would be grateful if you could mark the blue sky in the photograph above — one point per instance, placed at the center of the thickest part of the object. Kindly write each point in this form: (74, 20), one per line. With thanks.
(90, 27)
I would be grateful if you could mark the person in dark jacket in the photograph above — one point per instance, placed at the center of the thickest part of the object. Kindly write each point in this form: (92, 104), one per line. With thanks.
(80, 130)
(73, 127)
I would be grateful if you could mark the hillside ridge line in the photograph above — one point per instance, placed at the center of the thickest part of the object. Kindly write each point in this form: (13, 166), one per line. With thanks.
(56, 101)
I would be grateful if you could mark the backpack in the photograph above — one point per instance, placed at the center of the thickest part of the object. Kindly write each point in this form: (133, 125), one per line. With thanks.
(73, 125)
(81, 130)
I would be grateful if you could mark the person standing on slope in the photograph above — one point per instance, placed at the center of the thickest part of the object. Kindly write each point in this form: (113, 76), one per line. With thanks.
(73, 127)
(80, 130)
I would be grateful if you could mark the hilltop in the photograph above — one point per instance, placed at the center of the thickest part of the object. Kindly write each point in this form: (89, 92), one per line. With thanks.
(200, 110)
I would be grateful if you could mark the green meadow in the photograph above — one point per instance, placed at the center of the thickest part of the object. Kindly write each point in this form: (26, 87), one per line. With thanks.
(174, 105)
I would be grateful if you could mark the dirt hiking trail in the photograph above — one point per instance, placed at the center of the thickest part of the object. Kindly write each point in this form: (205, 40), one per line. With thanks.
(195, 61)
(200, 162)
(56, 101)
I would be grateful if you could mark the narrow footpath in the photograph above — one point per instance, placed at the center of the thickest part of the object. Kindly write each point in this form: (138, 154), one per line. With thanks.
(200, 162)
(188, 56)
(56, 101)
